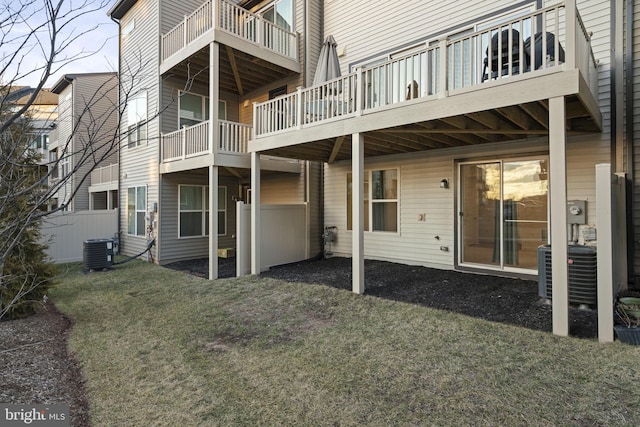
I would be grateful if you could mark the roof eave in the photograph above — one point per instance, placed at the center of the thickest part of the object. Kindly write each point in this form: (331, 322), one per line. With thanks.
(120, 8)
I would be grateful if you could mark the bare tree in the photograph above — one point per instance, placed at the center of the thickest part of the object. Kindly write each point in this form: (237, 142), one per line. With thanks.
(37, 39)
(47, 29)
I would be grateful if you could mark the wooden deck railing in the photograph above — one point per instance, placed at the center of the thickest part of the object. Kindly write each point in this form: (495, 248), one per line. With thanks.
(226, 16)
(193, 141)
(510, 50)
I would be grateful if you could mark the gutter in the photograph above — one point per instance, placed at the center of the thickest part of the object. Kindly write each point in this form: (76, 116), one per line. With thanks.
(119, 121)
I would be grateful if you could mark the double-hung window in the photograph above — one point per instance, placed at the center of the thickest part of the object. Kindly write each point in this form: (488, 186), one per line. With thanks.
(136, 210)
(65, 163)
(380, 200)
(194, 108)
(137, 120)
(194, 211)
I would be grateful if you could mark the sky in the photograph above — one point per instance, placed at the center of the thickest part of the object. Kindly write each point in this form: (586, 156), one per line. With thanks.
(95, 40)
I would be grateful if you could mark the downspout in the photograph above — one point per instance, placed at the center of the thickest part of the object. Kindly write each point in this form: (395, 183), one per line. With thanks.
(629, 152)
(305, 18)
(119, 121)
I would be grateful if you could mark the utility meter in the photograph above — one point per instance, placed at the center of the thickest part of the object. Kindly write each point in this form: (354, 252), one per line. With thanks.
(577, 212)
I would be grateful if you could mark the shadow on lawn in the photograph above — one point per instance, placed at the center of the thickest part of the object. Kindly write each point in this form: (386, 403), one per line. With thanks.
(497, 299)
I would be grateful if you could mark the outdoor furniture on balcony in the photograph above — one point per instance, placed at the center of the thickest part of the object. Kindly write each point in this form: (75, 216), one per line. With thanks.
(506, 54)
(548, 45)
(453, 66)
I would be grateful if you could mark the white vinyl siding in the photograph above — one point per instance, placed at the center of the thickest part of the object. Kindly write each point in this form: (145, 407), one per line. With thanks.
(139, 58)
(419, 175)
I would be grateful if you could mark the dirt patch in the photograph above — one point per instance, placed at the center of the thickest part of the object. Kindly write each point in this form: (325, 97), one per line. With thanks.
(37, 367)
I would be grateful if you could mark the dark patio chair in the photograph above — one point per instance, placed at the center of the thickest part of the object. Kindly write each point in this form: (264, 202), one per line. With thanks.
(500, 49)
(536, 50)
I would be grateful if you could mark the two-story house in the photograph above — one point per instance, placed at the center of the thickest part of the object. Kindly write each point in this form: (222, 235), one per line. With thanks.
(82, 143)
(190, 72)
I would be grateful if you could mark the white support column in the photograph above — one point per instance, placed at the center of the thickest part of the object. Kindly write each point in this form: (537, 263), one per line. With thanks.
(213, 222)
(357, 210)
(214, 135)
(214, 94)
(255, 213)
(558, 227)
(604, 225)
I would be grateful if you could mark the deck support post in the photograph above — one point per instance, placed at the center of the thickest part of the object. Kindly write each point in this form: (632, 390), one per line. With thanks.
(214, 94)
(213, 137)
(357, 209)
(558, 226)
(255, 213)
(213, 222)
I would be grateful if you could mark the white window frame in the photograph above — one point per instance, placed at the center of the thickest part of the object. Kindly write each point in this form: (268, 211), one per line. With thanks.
(274, 5)
(64, 164)
(368, 198)
(204, 211)
(222, 108)
(137, 113)
(136, 210)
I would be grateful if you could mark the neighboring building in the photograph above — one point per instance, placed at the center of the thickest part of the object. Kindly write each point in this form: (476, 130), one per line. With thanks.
(83, 139)
(43, 113)
(187, 122)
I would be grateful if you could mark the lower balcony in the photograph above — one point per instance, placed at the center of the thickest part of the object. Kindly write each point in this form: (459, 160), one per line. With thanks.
(191, 148)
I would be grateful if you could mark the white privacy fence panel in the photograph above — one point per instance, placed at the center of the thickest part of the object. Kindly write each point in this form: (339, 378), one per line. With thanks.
(66, 231)
(283, 240)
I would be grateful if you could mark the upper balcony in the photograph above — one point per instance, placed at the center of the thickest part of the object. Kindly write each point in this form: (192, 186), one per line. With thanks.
(489, 86)
(252, 44)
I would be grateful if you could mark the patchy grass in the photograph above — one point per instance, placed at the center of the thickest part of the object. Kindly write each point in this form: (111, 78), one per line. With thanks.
(159, 347)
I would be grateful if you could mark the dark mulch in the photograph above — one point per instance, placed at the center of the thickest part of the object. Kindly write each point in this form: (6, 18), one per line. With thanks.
(497, 299)
(200, 267)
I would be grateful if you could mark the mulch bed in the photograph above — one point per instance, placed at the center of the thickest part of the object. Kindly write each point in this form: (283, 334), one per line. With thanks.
(497, 299)
(37, 367)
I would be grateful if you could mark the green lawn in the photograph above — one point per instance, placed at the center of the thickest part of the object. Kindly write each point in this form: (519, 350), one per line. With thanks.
(159, 347)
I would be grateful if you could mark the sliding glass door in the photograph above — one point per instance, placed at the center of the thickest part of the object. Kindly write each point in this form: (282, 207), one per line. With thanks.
(503, 213)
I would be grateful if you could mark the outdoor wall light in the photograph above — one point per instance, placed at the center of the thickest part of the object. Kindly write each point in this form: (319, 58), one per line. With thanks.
(444, 183)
